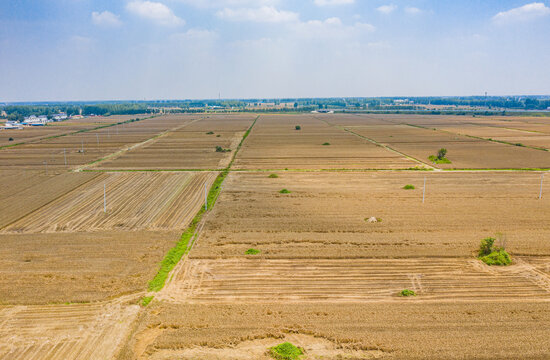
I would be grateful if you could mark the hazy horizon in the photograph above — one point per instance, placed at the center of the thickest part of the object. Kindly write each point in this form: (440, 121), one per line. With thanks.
(66, 50)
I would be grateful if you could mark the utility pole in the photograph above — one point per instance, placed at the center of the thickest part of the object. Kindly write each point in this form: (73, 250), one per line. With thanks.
(104, 199)
(82, 150)
(46, 165)
(65, 156)
(97, 137)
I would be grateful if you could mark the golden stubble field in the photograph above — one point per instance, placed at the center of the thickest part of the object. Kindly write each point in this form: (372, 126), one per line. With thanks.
(329, 281)
(77, 149)
(467, 139)
(72, 276)
(274, 143)
(192, 146)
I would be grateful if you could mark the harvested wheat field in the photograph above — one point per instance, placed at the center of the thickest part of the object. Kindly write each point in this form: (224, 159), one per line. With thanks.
(310, 237)
(274, 143)
(135, 201)
(444, 330)
(37, 133)
(324, 215)
(192, 146)
(329, 281)
(23, 192)
(79, 148)
(230, 281)
(79, 267)
(72, 331)
(471, 143)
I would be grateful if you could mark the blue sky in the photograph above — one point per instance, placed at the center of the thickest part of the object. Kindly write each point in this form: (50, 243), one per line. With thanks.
(179, 49)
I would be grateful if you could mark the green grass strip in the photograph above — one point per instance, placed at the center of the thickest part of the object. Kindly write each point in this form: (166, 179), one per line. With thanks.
(241, 143)
(146, 300)
(182, 247)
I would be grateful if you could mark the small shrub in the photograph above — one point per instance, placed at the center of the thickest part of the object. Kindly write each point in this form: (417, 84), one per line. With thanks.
(10, 139)
(252, 252)
(218, 135)
(273, 176)
(222, 150)
(146, 300)
(407, 292)
(210, 133)
(493, 255)
(284, 191)
(326, 144)
(436, 160)
(486, 246)
(298, 127)
(519, 144)
(286, 351)
(409, 187)
(498, 258)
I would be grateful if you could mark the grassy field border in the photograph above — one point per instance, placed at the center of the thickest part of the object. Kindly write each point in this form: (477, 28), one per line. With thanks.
(175, 254)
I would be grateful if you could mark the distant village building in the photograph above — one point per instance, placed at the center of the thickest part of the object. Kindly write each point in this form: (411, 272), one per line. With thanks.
(270, 105)
(59, 117)
(12, 125)
(34, 120)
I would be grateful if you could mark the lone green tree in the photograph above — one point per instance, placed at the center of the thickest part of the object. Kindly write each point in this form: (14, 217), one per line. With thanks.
(441, 153)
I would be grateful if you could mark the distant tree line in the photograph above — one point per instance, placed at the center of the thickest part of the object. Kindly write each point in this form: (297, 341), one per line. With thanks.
(490, 105)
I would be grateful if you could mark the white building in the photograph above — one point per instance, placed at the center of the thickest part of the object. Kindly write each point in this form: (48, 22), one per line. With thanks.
(59, 117)
(36, 120)
(12, 125)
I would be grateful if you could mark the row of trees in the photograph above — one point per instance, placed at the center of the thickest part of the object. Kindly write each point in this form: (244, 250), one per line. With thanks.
(18, 112)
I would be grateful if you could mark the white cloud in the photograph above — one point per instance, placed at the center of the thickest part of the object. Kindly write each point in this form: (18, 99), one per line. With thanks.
(387, 9)
(333, 2)
(154, 11)
(412, 10)
(522, 14)
(265, 14)
(106, 18)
